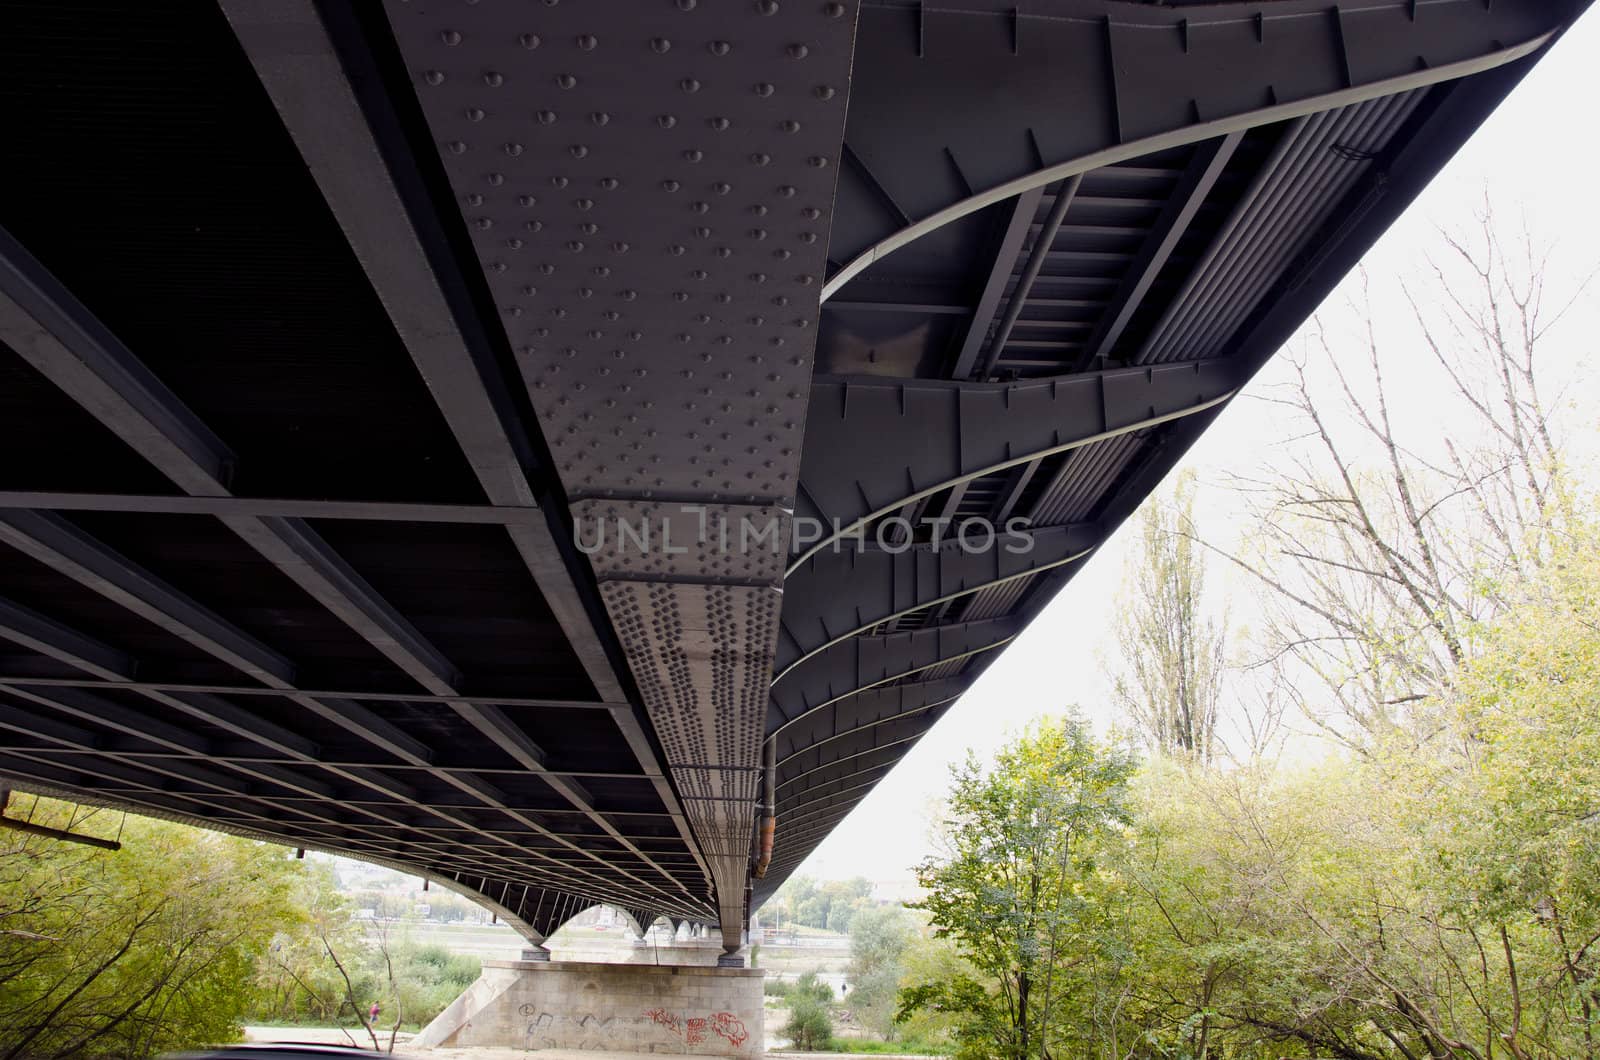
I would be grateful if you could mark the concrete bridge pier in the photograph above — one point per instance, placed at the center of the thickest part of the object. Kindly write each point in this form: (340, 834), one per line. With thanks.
(538, 1003)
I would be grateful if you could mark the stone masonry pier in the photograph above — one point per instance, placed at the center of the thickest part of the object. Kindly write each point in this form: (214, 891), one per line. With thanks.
(642, 1008)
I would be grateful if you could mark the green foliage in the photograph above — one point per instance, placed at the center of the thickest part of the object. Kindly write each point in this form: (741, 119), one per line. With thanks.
(134, 952)
(828, 906)
(810, 1027)
(1018, 890)
(879, 938)
(1437, 896)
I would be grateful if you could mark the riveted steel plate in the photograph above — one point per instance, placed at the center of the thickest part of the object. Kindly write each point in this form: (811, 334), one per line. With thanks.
(648, 185)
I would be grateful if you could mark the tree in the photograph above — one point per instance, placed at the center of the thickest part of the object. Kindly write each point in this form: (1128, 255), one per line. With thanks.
(133, 952)
(1015, 888)
(1172, 651)
(879, 937)
(1381, 550)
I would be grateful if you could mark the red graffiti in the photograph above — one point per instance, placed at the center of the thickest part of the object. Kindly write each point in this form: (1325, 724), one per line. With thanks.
(693, 1029)
(730, 1027)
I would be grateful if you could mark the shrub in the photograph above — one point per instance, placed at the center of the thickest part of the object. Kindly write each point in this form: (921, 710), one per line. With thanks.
(810, 1028)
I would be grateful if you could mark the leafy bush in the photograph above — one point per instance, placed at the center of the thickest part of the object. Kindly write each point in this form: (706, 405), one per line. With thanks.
(809, 986)
(810, 1027)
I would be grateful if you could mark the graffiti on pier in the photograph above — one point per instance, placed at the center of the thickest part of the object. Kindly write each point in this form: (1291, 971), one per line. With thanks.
(693, 1029)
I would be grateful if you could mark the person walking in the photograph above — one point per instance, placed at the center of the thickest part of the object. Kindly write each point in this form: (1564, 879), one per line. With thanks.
(372, 1014)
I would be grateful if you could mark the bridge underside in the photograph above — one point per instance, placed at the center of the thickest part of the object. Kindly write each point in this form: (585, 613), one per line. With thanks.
(328, 333)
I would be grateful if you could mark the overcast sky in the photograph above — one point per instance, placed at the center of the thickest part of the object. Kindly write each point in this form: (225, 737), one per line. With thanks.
(1538, 156)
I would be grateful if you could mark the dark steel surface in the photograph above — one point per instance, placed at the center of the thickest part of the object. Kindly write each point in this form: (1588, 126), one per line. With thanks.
(308, 415)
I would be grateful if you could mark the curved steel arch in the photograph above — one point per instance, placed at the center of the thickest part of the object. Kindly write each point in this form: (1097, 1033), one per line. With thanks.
(874, 445)
(861, 663)
(840, 593)
(1220, 73)
(882, 702)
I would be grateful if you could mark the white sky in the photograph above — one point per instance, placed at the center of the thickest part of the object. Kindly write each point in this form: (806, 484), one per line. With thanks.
(1538, 154)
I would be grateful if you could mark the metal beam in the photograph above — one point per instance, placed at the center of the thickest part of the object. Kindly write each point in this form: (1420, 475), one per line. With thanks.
(294, 693)
(1008, 249)
(1209, 161)
(1036, 261)
(373, 511)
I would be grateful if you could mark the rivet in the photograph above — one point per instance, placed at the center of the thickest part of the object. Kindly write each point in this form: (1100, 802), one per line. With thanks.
(783, 253)
(434, 77)
(576, 246)
(514, 243)
(578, 151)
(805, 279)
(780, 300)
(786, 190)
(689, 84)
(558, 182)
(666, 121)
(610, 183)
(493, 78)
(686, 5)
(724, 298)
(719, 47)
(757, 233)
(817, 162)
(587, 292)
(798, 51)
(450, 37)
(588, 42)
(758, 277)
(566, 81)
(660, 45)
(700, 207)
(724, 252)
(767, 7)
(529, 289)
(484, 224)
(513, 149)
(810, 213)
(789, 125)
(548, 269)
(719, 124)
(588, 228)
(619, 247)
(833, 10)
(474, 114)
(495, 179)
(599, 117)
(529, 40)
(703, 232)
(601, 270)
(680, 296)
(693, 155)
(763, 89)
(808, 237)
(761, 158)
(698, 274)
(677, 250)
(670, 185)
(457, 147)
(823, 92)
